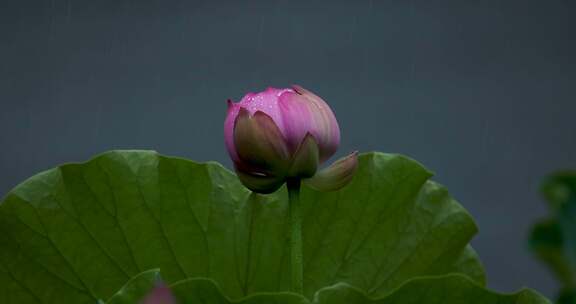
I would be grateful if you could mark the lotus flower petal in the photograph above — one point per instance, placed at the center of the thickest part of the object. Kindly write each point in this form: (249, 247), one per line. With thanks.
(323, 124)
(265, 101)
(259, 182)
(305, 161)
(336, 176)
(260, 144)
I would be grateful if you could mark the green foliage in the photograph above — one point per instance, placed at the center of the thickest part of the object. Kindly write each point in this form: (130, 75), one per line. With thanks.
(79, 232)
(553, 240)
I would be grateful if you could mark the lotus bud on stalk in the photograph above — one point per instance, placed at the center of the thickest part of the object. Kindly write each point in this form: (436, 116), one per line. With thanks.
(281, 135)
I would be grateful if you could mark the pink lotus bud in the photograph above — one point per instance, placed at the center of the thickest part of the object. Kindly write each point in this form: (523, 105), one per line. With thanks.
(279, 134)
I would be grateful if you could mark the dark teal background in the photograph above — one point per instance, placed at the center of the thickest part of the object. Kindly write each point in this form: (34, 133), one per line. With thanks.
(481, 92)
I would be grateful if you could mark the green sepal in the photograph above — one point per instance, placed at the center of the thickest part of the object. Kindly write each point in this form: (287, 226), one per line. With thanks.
(306, 158)
(260, 183)
(260, 144)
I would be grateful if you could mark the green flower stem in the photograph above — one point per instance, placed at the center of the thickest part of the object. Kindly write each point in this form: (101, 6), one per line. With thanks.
(297, 277)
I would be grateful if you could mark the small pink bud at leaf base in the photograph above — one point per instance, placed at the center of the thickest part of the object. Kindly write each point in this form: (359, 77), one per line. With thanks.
(279, 134)
(160, 294)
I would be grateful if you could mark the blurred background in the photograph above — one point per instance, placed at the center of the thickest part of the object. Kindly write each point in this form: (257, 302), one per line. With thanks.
(481, 92)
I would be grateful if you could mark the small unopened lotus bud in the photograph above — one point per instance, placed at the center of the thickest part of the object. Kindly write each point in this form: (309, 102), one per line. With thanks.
(282, 134)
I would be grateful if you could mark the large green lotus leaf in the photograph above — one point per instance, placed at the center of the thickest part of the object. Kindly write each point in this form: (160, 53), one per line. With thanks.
(80, 231)
(447, 289)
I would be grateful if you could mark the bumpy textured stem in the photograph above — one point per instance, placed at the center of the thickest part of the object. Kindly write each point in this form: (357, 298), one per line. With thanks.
(296, 260)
